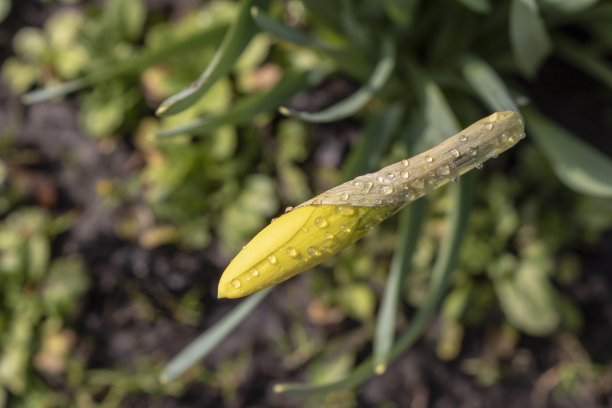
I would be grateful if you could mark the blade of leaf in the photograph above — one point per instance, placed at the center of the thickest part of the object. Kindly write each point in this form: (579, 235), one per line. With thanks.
(236, 40)
(584, 60)
(244, 110)
(487, 84)
(477, 6)
(280, 30)
(440, 121)
(409, 226)
(361, 97)
(568, 6)
(208, 340)
(462, 194)
(379, 132)
(528, 37)
(578, 165)
(138, 63)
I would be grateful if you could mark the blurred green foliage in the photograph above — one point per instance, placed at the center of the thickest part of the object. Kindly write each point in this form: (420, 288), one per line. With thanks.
(36, 294)
(222, 178)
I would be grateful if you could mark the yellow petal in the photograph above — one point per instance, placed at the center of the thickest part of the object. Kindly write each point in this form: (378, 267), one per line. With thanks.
(295, 242)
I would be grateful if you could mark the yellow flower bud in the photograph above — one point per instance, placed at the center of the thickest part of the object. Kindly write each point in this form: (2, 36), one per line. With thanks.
(328, 223)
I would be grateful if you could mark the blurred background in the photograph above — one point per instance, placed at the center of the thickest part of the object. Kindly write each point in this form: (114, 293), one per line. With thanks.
(112, 240)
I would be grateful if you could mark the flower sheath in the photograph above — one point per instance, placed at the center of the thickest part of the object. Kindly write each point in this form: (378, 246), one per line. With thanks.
(322, 226)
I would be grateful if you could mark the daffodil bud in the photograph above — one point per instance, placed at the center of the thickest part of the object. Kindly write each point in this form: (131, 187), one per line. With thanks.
(322, 226)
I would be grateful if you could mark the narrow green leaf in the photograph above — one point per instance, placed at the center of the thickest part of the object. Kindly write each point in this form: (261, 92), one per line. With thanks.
(487, 84)
(578, 165)
(354, 29)
(208, 340)
(438, 113)
(477, 6)
(244, 110)
(528, 37)
(409, 226)
(359, 99)
(462, 194)
(568, 6)
(137, 64)
(584, 59)
(280, 30)
(440, 121)
(242, 30)
(402, 12)
(379, 132)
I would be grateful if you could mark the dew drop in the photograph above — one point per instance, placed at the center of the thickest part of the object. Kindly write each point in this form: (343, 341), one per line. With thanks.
(431, 178)
(444, 170)
(470, 151)
(404, 174)
(287, 209)
(320, 222)
(356, 183)
(455, 179)
(304, 229)
(390, 175)
(405, 163)
(367, 187)
(272, 259)
(255, 272)
(346, 210)
(454, 152)
(316, 202)
(387, 190)
(463, 138)
(346, 229)
(521, 135)
(345, 196)
(479, 166)
(428, 159)
(418, 183)
(329, 235)
(410, 196)
(488, 126)
(380, 179)
(504, 138)
(291, 252)
(313, 251)
(236, 283)
(378, 202)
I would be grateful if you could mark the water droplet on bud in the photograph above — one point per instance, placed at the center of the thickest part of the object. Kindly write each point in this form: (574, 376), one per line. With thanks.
(320, 222)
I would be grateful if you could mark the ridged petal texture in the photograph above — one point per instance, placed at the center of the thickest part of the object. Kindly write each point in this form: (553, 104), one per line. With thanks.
(335, 219)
